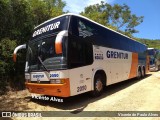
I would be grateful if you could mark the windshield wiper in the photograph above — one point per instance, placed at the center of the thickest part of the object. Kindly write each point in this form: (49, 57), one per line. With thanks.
(42, 64)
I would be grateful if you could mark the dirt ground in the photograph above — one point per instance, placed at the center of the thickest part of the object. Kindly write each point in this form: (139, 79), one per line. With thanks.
(130, 95)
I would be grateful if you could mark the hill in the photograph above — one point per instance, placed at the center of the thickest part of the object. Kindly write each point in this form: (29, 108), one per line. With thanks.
(151, 43)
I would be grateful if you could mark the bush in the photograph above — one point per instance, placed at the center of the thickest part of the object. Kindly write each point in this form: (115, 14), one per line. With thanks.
(6, 63)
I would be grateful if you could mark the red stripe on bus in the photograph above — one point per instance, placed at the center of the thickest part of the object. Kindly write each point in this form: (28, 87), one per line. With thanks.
(134, 65)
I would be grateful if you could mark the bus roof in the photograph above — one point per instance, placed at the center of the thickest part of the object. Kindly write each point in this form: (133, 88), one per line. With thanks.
(72, 14)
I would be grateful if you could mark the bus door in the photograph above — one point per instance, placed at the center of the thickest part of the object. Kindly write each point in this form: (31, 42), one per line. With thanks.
(80, 57)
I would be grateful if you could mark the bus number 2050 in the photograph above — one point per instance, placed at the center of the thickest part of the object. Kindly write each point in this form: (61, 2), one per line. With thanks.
(81, 88)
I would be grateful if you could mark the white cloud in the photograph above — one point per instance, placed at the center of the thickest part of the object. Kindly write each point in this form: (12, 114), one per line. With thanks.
(77, 6)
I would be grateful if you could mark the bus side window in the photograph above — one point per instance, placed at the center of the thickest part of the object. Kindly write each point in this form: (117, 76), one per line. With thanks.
(85, 29)
(80, 45)
(136, 47)
(86, 33)
(76, 53)
(81, 53)
(74, 27)
(88, 53)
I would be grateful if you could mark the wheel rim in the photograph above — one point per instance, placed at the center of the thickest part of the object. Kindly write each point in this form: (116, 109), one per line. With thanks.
(99, 85)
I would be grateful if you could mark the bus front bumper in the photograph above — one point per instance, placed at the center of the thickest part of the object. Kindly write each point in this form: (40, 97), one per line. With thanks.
(60, 90)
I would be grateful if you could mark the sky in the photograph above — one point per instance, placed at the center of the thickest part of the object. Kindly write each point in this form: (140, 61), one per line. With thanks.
(150, 9)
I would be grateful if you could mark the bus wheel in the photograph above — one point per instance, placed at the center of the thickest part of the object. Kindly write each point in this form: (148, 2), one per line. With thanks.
(156, 68)
(143, 72)
(98, 86)
(139, 74)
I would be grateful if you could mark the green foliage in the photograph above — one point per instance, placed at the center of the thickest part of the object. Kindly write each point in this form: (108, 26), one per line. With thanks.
(17, 21)
(117, 17)
(150, 43)
(43, 10)
(7, 47)
(19, 17)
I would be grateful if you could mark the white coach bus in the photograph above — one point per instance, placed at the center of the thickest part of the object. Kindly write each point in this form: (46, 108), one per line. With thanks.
(71, 54)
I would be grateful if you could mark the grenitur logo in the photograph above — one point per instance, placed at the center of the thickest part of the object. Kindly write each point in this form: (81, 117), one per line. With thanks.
(46, 28)
(116, 55)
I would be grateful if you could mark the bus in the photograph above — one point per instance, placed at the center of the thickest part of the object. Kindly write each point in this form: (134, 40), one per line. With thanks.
(71, 54)
(154, 55)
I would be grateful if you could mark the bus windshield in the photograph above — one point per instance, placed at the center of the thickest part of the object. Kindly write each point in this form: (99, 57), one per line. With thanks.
(41, 53)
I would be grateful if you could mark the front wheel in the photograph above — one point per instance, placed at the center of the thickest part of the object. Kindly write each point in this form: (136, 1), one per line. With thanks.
(98, 86)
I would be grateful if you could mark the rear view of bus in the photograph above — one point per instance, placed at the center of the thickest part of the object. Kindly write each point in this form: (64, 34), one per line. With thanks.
(154, 55)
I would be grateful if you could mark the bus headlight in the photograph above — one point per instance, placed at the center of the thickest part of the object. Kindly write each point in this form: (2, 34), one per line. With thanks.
(57, 81)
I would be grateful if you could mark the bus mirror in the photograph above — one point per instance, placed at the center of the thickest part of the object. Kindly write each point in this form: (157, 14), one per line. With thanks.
(14, 57)
(58, 41)
(58, 46)
(16, 50)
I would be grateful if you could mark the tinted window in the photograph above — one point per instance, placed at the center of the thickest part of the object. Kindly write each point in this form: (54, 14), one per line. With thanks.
(80, 43)
(42, 51)
(51, 27)
(101, 36)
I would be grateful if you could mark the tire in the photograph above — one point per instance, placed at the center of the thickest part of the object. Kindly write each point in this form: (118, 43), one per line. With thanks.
(144, 70)
(98, 85)
(139, 75)
(143, 73)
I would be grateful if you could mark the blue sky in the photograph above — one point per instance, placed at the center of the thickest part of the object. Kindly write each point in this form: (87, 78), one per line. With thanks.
(150, 9)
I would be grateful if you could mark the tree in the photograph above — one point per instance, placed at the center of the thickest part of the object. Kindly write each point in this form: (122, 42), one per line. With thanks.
(6, 64)
(117, 17)
(43, 10)
(150, 43)
(17, 21)
(19, 17)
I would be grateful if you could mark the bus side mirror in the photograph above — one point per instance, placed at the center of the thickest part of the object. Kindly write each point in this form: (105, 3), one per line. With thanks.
(14, 57)
(58, 45)
(16, 50)
(58, 41)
